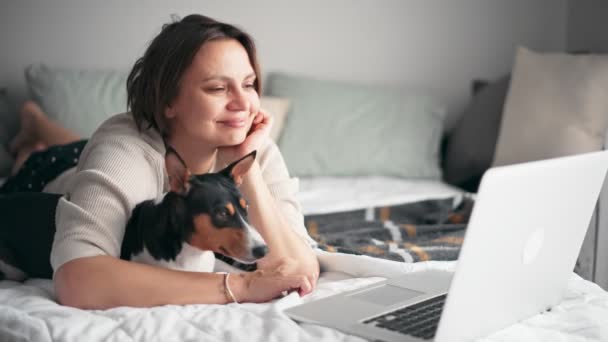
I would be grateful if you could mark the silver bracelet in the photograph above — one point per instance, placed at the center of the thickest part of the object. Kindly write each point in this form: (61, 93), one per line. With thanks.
(228, 292)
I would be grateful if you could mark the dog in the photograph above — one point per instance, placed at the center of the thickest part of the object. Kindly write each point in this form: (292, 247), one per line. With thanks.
(201, 217)
(204, 211)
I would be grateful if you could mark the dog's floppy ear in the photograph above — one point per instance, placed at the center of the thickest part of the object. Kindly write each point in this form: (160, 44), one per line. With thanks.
(239, 168)
(177, 171)
(163, 227)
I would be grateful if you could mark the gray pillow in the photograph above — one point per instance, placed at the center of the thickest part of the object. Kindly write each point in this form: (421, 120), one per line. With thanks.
(344, 129)
(470, 145)
(79, 100)
(556, 107)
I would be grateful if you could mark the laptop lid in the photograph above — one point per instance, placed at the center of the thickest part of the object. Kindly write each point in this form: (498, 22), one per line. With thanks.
(522, 242)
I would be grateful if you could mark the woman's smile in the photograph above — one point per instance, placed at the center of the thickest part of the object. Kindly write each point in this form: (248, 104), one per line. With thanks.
(234, 123)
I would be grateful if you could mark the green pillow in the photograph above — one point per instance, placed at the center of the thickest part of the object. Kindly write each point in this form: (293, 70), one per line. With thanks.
(342, 129)
(79, 100)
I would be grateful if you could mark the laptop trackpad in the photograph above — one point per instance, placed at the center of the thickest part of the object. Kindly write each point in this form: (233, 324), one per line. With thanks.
(386, 295)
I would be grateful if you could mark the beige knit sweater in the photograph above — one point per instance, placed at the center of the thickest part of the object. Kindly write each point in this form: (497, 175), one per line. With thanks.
(121, 167)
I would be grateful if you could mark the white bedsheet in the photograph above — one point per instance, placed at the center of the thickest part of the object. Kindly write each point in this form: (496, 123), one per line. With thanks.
(321, 195)
(28, 312)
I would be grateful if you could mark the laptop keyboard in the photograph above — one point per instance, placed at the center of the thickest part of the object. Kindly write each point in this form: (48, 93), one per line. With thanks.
(419, 320)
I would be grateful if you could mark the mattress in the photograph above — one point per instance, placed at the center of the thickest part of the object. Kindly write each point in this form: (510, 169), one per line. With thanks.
(322, 195)
(28, 312)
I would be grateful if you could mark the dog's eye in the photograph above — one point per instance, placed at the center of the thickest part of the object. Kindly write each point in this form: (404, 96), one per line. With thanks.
(223, 213)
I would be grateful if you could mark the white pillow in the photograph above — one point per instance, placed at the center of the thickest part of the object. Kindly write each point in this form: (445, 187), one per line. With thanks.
(278, 107)
(557, 105)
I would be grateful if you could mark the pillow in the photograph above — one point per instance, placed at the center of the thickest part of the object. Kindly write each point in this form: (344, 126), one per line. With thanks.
(79, 100)
(556, 106)
(278, 108)
(341, 129)
(6, 111)
(470, 146)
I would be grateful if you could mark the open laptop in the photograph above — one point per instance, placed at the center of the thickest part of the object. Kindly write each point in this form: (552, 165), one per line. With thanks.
(520, 248)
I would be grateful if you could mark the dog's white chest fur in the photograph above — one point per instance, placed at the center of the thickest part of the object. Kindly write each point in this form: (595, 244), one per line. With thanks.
(189, 259)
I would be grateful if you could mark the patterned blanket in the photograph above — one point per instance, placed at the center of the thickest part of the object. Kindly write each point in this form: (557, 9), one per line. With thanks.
(419, 231)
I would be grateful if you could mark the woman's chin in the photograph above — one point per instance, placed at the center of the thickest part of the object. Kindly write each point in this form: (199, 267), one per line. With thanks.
(234, 139)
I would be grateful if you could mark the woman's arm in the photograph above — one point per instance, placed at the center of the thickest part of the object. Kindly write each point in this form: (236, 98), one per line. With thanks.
(289, 253)
(114, 174)
(103, 282)
(286, 247)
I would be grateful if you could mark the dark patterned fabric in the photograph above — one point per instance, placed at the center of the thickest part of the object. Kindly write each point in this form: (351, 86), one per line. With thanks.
(419, 231)
(44, 166)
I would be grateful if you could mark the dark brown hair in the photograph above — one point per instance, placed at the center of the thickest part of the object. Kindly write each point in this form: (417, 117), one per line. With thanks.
(154, 80)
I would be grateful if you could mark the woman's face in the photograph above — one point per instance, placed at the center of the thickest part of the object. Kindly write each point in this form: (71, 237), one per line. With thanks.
(217, 100)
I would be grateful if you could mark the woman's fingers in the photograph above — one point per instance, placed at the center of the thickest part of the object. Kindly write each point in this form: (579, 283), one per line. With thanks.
(265, 286)
(259, 117)
(260, 128)
(262, 118)
(313, 279)
(303, 285)
(294, 283)
(288, 267)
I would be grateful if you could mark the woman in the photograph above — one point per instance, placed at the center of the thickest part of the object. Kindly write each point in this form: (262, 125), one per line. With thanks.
(196, 89)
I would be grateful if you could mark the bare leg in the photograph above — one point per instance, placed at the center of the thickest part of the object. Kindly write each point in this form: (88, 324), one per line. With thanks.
(36, 133)
(23, 154)
(37, 128)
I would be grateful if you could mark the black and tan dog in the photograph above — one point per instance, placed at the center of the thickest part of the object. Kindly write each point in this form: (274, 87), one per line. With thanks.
(202, 214)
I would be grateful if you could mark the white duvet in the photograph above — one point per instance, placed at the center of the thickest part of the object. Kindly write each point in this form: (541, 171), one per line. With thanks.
(321, 195)
(28, 312)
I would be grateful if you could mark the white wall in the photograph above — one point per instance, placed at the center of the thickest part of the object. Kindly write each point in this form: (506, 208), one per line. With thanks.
(587, 25)
(433, 44)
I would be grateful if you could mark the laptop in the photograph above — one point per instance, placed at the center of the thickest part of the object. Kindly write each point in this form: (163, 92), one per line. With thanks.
(520, 247)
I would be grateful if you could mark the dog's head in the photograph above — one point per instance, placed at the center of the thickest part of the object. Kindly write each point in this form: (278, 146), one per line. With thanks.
(207, 211)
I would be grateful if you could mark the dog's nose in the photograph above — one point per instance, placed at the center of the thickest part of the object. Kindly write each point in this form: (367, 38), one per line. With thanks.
(259, 251)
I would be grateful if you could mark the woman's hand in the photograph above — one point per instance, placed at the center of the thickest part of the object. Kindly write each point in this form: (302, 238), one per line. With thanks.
(260, 129)
(300, 260)
(261, 286)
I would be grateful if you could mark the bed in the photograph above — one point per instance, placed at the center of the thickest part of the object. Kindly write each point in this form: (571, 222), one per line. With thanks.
(29, 312)
(372, 219)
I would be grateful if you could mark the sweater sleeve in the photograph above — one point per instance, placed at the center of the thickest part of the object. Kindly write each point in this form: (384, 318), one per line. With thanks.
(283, 188)
(113, 175)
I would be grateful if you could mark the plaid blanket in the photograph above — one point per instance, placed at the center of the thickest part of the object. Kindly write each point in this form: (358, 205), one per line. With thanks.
(419, 231)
